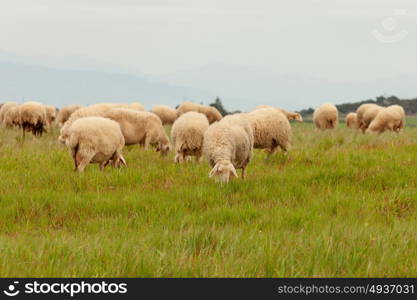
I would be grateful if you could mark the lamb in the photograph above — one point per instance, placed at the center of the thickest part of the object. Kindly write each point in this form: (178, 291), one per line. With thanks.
(290, 115)
(227, 147)
(4, 108)
(65, 112)
(351, 120)
(271, 129)
(33, 118)
(138, 127)
(325, 116)
(167, 114)
(389, 118)
(12, 117)
(366, 113)
(211, 113)
(187, 135)
(95, 140)
(50, 114)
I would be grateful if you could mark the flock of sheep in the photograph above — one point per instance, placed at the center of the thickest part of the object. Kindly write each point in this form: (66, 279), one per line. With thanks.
(98, 133)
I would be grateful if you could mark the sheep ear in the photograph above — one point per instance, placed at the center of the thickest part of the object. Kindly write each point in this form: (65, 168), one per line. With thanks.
(233, 171)
(214, 170)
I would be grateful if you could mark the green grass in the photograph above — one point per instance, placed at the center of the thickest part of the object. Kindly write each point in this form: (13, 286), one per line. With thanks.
(339, 204)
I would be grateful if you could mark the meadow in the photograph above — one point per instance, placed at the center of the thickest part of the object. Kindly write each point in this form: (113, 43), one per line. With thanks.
(340, 204)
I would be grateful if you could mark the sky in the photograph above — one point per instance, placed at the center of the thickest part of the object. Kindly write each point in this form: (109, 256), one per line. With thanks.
(336, 40)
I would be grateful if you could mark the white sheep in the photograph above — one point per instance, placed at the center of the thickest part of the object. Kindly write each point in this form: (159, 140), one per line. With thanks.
(366, 113)
(211, 113)
(187, 135)
(65, 112)
(12, 117)
(138, 127)
(351, 120)
(167, 114)
(290, 115)
(227, 147)
(95, 140)
(326, 116)
(271, 129)
(390, 118)
(134, 106)
(4, 108)
(50, 114)
(33, 117)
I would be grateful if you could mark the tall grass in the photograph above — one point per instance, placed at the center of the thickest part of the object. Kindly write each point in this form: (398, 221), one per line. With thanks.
(339, 204)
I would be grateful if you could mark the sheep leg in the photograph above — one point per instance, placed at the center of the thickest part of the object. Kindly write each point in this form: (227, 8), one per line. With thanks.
(243, 173)
(83, 161)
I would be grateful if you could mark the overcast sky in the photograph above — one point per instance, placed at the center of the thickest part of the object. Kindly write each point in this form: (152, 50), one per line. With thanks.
(336, 40)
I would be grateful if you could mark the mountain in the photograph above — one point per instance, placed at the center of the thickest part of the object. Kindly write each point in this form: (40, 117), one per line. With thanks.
(20, 82)
(245, 87)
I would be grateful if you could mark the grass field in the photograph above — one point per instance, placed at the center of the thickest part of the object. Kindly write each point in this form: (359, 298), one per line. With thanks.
(339, 204)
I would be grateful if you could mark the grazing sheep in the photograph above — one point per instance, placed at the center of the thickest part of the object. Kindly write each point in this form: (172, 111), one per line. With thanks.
(290, 115)
(271, 129)
(138, 127)
(227, 147)
(167, 114)
(241, 120)
(4, 108)
(65, 112)
(325, 116)
(366, 113)
(95, 140)
(187, 135)
(211, 113)
(351, 120)
(50, 114)
(33, 117)
(12, 117)
(390, 118)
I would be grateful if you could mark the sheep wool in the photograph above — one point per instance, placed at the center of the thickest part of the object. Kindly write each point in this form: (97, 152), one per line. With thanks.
(4, 108)
(271, 129)
(33, 117)
(12, 117)
(391, 118)
(227, 147)
(211, 113)
(290, 115)
(366, 113)
(187, 135)
(167, 114)
(325, 116)
(351, 120)
(50, 114)
(65, 112)
(95, 140)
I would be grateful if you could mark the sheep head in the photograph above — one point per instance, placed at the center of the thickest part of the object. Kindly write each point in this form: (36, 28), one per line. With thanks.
(223, 172)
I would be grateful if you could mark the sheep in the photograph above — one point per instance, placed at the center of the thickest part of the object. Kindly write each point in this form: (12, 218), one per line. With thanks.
(12, 117)
(33, 118)
(351, 120)
(241, 120)
(65, 112)
(389, 118)
(227, 147)
(290, 115)
(187, 135)
(95, 140)
(167, 114)
(325, 116)
(366, 113)
(211, 113)
(50, 114)
(138, 127)
(271, 129)
(4, 108)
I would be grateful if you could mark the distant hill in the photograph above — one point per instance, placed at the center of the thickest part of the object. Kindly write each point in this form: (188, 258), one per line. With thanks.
(409, 105)
(19, 82)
